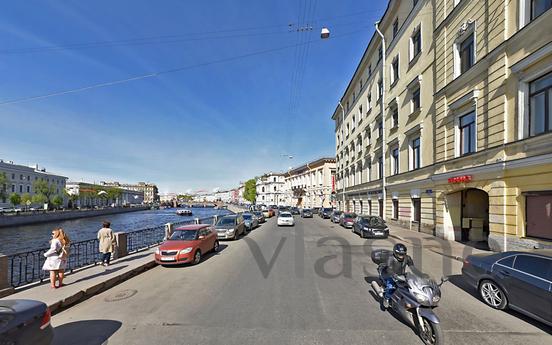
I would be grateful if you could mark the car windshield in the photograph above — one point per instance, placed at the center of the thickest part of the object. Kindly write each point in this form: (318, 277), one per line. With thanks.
(285, 215)
(307, 210)
(327, 210)
(184, 235)
(337, 213)
(373, 221)
(226, 221)
(349, 215)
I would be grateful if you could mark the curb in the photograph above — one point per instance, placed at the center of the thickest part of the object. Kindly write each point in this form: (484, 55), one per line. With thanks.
(457, 258)
(79, 296)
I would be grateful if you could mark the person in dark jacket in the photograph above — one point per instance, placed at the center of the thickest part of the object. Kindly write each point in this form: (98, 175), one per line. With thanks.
(394, 270)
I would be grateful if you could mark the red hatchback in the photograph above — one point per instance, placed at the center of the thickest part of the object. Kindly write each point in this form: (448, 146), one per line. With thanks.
(187, 244)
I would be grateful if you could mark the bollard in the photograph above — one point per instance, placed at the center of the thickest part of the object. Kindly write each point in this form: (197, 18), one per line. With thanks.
(5, 287)
(122, 245)
(197, 221)
(168, 231)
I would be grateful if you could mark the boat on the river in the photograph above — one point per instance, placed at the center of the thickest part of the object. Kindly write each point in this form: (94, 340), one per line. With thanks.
(184, 212)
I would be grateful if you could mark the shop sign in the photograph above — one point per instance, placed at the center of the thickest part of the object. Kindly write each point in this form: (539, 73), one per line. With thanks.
(429, 191)
(460, 179)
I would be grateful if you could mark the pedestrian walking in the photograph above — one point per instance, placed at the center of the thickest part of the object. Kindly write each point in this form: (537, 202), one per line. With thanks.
(107, 242)
(56, 257)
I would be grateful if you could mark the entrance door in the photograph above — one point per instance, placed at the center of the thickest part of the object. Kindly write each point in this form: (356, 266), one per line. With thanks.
(539, 216)
(380, 202)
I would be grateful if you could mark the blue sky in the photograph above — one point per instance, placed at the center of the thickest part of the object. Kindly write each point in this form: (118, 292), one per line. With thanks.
(245, 88)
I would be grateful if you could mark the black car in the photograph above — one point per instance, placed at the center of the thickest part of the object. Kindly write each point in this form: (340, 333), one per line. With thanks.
(520, 280)
(260, 216)
(336, 216)
(25, 322)
(306, 213)
(370, 227)
(326, 213)
(295, 211)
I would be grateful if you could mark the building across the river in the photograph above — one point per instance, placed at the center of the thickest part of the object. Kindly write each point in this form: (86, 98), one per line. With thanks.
(150, 190)
(83, 194)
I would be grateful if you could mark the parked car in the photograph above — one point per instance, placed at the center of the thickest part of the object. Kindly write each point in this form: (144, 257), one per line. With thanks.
(520, 280)
(295, 211)
(370, 226)
(286, 218)
(230, 227)
(187, 244)
(251, 221)
(347, 220)
(306, 213)
(315, 210)
(260, 216)
(336, 216)
(25, 322)
(326, 213)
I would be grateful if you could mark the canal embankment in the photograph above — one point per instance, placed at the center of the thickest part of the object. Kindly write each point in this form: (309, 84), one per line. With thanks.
(16, 220)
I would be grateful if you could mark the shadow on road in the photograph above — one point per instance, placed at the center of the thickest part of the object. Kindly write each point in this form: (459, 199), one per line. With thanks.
(87, 332)
(106, 272)
(459, 281)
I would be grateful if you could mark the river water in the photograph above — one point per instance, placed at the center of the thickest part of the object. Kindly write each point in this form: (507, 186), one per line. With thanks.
(30, 237)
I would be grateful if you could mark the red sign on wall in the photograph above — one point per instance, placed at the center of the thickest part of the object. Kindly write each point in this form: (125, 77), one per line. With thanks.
(460, 179)
(333, 183)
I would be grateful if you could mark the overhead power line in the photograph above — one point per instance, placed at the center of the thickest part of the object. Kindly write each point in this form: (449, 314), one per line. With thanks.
(159, 73)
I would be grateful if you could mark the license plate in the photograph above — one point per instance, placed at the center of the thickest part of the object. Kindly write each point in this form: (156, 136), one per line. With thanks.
(167, 258)
(378, 233)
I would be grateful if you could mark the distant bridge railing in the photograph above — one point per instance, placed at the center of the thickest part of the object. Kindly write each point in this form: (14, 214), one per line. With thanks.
(24, 268)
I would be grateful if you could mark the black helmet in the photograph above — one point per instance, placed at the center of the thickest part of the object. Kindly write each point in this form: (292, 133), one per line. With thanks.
(399, 251)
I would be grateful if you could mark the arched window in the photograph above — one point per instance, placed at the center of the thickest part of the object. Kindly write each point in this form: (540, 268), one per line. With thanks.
(263, 190)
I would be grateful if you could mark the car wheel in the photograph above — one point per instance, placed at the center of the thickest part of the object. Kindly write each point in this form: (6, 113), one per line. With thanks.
(216, 246)
(197, 257)
(493, 295)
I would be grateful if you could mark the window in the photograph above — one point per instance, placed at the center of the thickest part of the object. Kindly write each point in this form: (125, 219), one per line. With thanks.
(395, 27)
(395, 209)
(354, 122)
(354, 96)
(417, 208)
(538, 7)
(348, 107)
(380, 88)
(380, 53)
(395, 70)
(360, 111)
(369, 100)
(368, 134)
(467, 133)
(13, 176)
(21, 177)
(395, 160)
(347, 133)
(28, 178)
(380, 129)
(415, 99)
(415, 153)
(263, 190)
(368, 171)
(361, 83)
(538, 214)
(28, 189)
(540, 105)
(13, 188)
(380, 167)
(370, 207)
(369, 71)
(380, 204)
(415, 43)
(395, 116)
(533, 265)
(508, 262)
(274, 188)
(20, 188)
(467, 54)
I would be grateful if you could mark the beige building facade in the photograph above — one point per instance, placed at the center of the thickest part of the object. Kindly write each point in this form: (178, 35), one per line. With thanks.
(311, 184)
(462, 146)
(150, 190)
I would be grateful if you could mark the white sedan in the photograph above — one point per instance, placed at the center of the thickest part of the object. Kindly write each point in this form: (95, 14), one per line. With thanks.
(285, 218)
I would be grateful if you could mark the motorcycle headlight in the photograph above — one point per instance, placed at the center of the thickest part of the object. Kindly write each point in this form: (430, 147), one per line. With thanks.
(421, 298)
(186, 250)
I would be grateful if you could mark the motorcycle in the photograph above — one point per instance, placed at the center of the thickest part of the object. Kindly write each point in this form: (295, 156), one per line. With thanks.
(415, 297)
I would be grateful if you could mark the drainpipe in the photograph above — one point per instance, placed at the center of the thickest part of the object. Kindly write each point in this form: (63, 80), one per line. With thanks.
(343, 138)
(382, 104)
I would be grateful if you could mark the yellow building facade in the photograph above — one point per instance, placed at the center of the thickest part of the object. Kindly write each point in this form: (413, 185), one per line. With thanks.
(466, 144)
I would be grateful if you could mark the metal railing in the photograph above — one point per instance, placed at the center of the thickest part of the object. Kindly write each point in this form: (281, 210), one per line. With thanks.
(26, 267)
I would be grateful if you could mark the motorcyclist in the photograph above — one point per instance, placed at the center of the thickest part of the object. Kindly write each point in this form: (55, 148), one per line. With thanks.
(394, 269)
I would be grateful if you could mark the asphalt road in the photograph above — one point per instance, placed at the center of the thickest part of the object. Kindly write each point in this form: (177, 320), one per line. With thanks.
(307, 284)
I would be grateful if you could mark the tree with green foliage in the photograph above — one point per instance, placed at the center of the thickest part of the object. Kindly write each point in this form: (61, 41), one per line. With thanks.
(39, 199)
(57, 201)
(26, 198)
(113, 194)
(3, 186)
(250, 190)
(44, 189)
(15, 199)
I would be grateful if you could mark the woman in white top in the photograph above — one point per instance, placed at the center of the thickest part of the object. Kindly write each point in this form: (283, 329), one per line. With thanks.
(56, 257)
